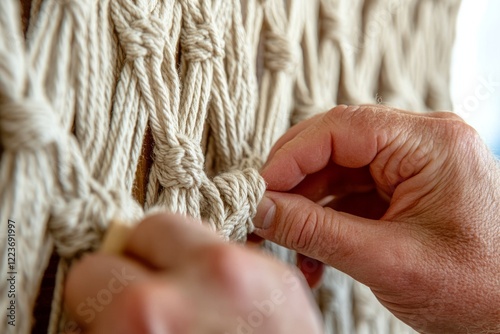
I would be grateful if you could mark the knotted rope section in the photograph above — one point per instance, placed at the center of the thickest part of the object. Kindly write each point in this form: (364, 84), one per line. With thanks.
(279, 54)
(81, 208)
(215, 83)
(199, 40)
(46, 187)
(177, 179)
(27, 125)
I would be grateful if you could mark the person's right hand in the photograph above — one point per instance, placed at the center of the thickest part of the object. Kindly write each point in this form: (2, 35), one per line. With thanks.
(423, 196)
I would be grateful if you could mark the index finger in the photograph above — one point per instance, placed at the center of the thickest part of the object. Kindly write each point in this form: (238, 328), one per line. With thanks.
(351, 136)
(169, 240)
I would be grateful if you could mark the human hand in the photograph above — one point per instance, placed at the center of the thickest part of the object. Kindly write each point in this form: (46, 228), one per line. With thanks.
(178, 277)
(421, 201)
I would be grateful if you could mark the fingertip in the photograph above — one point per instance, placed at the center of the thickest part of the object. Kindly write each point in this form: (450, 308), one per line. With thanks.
(165, 240)
(282, 172)
(292, 133)
(312, 269)
(266, 211)
(342, 240)
(307, 152)
(155, 306)
(296, 221)
(254, 241)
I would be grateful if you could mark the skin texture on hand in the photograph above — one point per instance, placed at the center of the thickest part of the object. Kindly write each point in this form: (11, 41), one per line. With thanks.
(176, 277)
(415, 215)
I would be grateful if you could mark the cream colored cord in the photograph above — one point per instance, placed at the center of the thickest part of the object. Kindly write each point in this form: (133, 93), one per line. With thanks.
(217, 83)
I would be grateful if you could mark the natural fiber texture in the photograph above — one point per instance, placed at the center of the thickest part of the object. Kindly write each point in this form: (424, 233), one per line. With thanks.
(217, 82)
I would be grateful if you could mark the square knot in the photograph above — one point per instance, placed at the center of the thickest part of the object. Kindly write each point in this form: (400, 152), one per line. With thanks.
(234, 202)
(180, 165)
(78, 223)
(279, 53)
(28, 125)
(199, 42)
(73, 226)
(330, 25)
(139, 35)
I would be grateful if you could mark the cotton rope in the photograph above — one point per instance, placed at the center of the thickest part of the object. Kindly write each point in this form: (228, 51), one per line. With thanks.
(216, 83)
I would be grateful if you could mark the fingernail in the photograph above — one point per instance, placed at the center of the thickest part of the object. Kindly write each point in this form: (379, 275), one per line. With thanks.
(266, 210)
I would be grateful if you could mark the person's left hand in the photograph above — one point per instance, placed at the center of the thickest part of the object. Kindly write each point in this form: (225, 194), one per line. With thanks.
(178, 277)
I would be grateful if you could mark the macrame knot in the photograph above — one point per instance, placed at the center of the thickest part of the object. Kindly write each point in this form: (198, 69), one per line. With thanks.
(27, 125)
(140, 35)
(279, 53)
(72, 231)
(240, 192)
(180, 165)
(330, 26)
(78, 224)
(200, 42)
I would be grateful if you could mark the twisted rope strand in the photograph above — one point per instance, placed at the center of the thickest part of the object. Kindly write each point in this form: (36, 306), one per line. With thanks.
(216, 82)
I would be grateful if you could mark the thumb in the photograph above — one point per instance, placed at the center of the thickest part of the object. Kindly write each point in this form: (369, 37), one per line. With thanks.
(360, 247)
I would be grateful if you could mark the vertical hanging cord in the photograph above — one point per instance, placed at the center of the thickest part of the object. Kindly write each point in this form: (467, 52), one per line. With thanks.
(217, 82)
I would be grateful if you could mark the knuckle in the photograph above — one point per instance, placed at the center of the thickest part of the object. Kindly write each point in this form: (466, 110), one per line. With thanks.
(138, 296)
(222, 259)
(461, 134)
(134, 302)
(225, 265)
(466, 131)
(446, 137)
(303, 233)
(339, 244)
(343, 113)
(446, 115)
(363, 116)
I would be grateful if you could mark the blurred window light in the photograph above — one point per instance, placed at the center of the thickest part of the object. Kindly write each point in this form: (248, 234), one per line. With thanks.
(475, 72)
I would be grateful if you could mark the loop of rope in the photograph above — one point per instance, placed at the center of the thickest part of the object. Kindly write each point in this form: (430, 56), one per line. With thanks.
(279, 53)
(200, 42)
(143, 37)
(240, 191)
(330, 24)
(27, 125)
(99, 207)
(180, 166)
(139, 36)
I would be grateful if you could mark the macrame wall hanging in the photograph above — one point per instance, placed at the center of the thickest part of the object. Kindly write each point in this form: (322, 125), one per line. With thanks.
(213, 84)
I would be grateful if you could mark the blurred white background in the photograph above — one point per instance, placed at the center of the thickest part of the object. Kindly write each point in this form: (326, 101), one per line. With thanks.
(475, 75)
